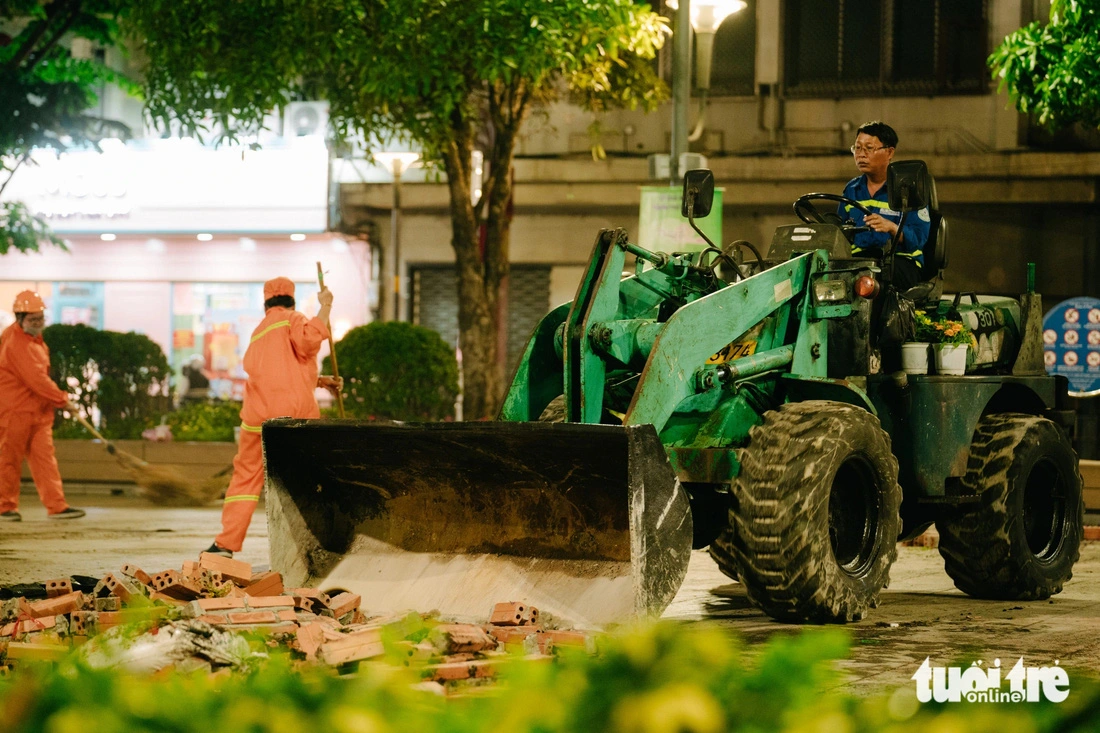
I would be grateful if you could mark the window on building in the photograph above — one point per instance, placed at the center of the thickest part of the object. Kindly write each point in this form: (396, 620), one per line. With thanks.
(888, 47)
(733, 65)
(435, 303)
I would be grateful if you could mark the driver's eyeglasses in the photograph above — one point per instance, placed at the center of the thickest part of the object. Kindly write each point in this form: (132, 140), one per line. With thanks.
(857, 149)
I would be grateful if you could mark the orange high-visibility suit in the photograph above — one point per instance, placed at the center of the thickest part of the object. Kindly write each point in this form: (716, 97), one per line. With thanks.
(281, 362)
(28, 398)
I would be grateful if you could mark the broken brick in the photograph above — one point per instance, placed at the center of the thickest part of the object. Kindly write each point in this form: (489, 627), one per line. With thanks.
(512, 634)
(82, 622)
(513, 614)
(343, 603)
(450, 671)
(112, 585)
(362, 644)
(59, 587)
(309, 639)
(269, 601)
(252, 617)
(57, 606)
(236, 570)
(265, 584)
(173, 584)
(14, 608)
(454, 638)
(108, 603)
(219, 604)
(547, 640)
(136, 573)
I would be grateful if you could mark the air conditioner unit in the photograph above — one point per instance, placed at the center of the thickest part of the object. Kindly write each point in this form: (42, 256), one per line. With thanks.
(305, 118)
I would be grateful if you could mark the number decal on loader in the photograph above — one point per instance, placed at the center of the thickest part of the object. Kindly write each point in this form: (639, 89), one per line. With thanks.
(732, 352)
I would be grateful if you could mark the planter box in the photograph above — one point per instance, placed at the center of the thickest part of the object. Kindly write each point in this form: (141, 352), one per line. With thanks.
(88, 460)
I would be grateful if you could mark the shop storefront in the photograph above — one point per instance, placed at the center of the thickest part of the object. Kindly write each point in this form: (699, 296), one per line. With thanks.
(174, 240)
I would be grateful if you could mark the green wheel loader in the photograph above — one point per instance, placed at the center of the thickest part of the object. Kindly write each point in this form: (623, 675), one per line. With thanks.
(753, 407)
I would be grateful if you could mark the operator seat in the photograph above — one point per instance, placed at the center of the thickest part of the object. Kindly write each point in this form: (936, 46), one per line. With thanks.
(935, 253)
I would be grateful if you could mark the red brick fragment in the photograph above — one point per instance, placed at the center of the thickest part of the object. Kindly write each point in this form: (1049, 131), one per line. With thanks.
(265, 584)
(512, 634)
(309, 639)
(137, 574)
(111, 585)
(108, 603)
(547, 640)
(343, 603)
(268, 601)
(455, 638)
(59, 587)
(514, 613)
(59, 606)
(236, 570)
(362, 644)
(171, 583)
(252, 617)
(450, 671)
(220, 604)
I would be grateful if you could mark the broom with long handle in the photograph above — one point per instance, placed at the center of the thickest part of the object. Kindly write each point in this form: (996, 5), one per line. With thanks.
(160, 484)
(332, 348)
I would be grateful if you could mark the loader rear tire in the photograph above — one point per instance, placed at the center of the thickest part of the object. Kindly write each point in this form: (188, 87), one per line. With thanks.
(816, 523)
(1022, 539)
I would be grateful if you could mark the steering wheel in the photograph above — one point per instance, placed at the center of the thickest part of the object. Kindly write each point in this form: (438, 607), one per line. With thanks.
(807, 212)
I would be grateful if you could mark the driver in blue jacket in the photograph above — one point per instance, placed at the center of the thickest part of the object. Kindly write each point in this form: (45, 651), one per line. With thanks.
(873, 150)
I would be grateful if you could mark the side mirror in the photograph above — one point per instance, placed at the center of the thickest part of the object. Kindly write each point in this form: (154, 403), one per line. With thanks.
(698, 192)
(908, 183)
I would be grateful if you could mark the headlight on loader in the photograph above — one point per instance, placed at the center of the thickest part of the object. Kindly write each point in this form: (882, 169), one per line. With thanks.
(831, 291)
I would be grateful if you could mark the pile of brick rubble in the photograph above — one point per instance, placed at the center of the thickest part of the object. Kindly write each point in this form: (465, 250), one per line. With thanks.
(196, 618)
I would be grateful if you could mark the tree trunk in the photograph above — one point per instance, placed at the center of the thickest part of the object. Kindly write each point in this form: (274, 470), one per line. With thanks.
(478, 293)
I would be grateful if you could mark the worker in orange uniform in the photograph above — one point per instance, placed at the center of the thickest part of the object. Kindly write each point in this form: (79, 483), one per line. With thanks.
(281, 362)
(28, 398)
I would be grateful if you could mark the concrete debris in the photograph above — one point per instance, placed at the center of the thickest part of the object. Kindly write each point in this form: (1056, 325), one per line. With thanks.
(217, 615)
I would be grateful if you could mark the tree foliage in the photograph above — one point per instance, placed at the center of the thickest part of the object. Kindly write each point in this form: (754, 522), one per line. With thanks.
(448, 76)
(1052, 71)
(47, 90)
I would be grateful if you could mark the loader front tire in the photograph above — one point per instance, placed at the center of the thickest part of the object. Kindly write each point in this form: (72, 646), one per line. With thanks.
(1022, 539)
(816, 522)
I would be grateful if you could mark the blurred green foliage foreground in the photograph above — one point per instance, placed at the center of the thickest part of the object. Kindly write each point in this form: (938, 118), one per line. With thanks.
(665, 678)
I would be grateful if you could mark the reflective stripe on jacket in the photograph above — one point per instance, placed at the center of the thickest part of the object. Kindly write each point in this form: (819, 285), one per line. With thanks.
(25, 384)
(281, 362)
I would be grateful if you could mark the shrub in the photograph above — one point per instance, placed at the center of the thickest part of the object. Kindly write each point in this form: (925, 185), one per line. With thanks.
(398, 371)
(205, 421)
(122, 375)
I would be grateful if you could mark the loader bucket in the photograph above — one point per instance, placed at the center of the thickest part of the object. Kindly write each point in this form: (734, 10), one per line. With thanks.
(587, 523)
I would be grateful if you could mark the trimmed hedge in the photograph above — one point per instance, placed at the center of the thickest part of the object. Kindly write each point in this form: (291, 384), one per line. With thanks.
(396, 371)
(205, 421)
(123, 375)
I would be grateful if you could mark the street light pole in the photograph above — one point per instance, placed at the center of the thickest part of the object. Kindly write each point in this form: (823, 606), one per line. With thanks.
(681, 89)
(399, 162)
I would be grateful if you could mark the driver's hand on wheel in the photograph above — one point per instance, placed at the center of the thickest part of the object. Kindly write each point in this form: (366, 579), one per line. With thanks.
(880, 224)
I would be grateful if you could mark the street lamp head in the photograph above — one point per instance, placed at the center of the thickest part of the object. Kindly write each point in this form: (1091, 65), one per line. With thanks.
(397, 161)
(707, 15)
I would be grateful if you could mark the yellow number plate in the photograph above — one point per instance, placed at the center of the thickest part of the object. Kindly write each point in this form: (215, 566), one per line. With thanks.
(734, 351)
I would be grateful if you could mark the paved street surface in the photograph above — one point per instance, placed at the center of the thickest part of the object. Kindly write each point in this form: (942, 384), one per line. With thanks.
(921, 614)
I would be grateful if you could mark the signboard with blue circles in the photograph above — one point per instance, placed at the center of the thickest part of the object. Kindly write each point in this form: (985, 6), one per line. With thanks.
(1071, 344)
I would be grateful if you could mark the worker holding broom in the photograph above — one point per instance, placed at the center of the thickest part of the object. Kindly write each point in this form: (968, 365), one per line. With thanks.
(281, 362)
(28, 398)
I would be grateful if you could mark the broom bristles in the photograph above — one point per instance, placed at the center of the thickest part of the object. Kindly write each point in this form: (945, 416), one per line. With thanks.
(166, 486)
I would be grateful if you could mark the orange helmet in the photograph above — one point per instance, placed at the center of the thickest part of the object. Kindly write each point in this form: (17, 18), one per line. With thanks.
(29, 301)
